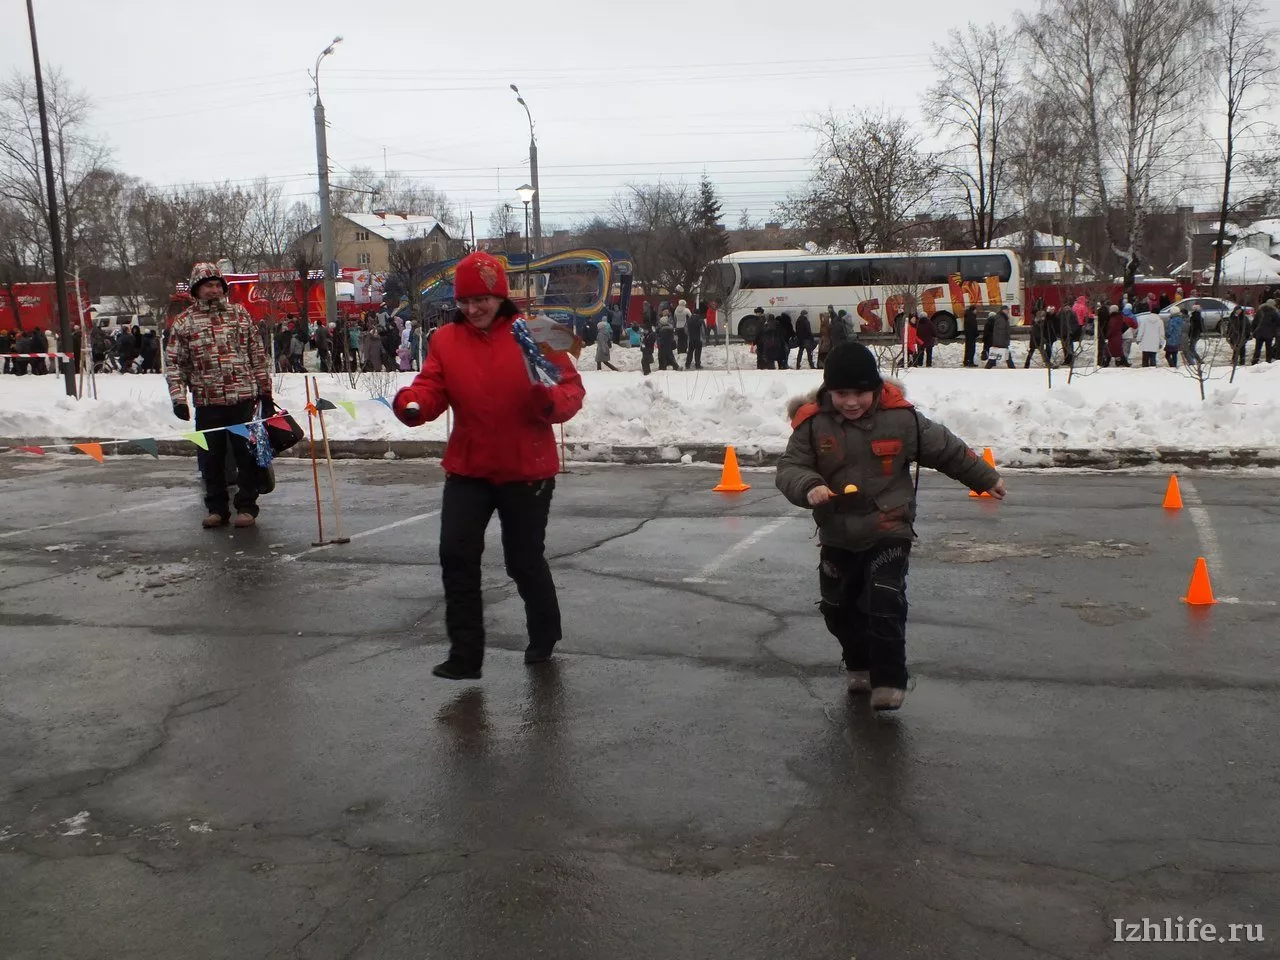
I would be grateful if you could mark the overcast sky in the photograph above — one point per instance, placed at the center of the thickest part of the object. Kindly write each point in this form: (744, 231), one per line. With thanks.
(625, 92)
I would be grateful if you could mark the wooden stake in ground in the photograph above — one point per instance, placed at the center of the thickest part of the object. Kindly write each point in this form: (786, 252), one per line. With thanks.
(328, 459)
(315, 471)
(563, 467)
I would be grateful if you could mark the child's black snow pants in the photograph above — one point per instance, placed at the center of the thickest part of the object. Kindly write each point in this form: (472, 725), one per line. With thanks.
(864, 601)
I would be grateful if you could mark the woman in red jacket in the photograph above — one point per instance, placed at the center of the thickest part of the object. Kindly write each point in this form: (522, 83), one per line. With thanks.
(505, 396)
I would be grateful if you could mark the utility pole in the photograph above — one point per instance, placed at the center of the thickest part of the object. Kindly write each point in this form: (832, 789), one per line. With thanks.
(66, 340)
(326, 212)
(533, 174)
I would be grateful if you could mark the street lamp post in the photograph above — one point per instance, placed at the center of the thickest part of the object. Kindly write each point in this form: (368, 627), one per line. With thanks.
(533, 173)
(527, 193)
(326, 212)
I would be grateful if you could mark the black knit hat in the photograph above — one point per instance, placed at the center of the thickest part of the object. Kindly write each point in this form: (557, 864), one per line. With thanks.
(851, 366)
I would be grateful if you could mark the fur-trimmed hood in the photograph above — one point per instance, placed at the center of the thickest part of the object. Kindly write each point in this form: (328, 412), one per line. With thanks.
(892, 396)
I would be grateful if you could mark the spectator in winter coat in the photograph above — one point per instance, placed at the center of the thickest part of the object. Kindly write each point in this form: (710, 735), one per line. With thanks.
(40, 344)
(849, 461)
(970, 335)
(836, 329)
(1149, 337)
(682, 315)
(604, 343)
(1266, 328)
(1000, 340)
(371, 350)
(694, 330)
(1175, 336)
(1236, 333)
(297, 351)
(927, 331)
(1117, 325)
(23, 345)
(824, 337)
(667, 345)
(6, 346)
(767, 346)
(804, 339)
(1195, 330)
(215, 351)
(713, 315)
(648, 340)
(1041, 339)
(501, 456)
(786, 337)
(150, 352)
(322, 347)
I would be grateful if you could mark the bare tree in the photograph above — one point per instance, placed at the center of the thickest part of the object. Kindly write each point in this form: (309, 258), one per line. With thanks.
(503, 223)
(77, 157)
(972, 99)
(1243, 48)
(1130, 71)
(363, 190)
(871, 176)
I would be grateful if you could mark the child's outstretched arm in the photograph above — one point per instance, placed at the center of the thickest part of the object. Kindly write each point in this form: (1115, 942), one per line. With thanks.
(797, 470)
(942, 450)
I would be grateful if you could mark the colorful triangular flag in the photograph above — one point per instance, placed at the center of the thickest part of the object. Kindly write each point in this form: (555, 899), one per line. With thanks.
(198, 439)
(323, 404)
(38, 451)
(149, 445)
(239, 429)
(279, 422)
(311, 409)
(385, 402)
(348, 406)
(92, 449)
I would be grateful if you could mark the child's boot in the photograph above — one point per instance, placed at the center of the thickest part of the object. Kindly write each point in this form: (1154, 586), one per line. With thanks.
(887, 698)
(859, 681)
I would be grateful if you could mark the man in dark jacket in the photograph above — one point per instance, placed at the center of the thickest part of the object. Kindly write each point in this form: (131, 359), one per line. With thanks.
(648, 340)
(1266, 327)
(6, 346)
(786, 333)
(40, 344)
(667, 346)
(849, 460)
(805, 339)
(695, 327)
(999, 340)
(927, 331)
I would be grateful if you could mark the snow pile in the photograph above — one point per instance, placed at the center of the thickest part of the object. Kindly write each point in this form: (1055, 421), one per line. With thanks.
(1004, 409)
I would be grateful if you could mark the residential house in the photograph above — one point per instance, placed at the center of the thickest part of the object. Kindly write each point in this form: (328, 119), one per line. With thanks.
(365, 240)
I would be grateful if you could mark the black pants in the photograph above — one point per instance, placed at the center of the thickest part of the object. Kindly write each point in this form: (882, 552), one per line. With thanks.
(1008, 359)
(864, 601)
(1260, 345)
(682, 340)
(667, 359)
(214, 463)
(970, 348)
(646, 361)
(467, 506)
(606, 363)
(1171, 355)
(923, 357)
(805, 349)
(1148, 358)
(694, 356)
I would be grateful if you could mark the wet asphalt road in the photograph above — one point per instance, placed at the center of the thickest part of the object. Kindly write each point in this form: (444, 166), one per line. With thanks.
(228, 745)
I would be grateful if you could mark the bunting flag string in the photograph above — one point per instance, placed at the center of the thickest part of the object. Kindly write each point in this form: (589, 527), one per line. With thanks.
(151, 445)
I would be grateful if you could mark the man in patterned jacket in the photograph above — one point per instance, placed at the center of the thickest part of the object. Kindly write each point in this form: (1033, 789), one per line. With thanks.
(215, 351)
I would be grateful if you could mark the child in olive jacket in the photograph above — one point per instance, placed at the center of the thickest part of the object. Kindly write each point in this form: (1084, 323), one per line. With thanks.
(849, 460)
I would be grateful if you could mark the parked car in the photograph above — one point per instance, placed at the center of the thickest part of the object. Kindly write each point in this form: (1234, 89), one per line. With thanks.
(1212, 309)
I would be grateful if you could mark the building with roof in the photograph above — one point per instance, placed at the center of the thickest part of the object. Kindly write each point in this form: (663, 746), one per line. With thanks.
(365, 240)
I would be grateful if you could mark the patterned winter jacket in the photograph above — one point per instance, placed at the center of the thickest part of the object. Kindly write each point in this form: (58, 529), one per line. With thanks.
(215, 350)
(874, 453)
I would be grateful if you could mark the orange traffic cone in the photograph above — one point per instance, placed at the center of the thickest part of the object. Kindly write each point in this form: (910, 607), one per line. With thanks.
(1199, 592)
(1173, 494)
(731, 476)
(991, 462)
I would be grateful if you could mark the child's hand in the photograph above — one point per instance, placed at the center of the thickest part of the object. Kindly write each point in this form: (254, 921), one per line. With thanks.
(820, 495)
(998, 490)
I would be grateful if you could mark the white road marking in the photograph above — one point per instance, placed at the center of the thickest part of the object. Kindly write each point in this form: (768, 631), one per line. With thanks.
(366, 533)
(1249, 603)
(1204, 529)
(705, 574)
(157, 505)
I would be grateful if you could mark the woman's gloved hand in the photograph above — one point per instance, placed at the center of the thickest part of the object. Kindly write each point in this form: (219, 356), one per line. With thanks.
(407, 410)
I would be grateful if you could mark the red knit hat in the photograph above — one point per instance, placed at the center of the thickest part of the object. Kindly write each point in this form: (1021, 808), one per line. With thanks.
(480, 275)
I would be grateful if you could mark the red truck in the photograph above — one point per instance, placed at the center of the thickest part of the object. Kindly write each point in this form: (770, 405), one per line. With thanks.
(274, 295)
(25, 306)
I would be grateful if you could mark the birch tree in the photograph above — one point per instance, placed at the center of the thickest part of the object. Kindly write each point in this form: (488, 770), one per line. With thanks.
(972, 101)
(1243, 49)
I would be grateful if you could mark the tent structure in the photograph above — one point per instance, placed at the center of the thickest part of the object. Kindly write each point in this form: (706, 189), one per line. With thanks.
(1246, 267)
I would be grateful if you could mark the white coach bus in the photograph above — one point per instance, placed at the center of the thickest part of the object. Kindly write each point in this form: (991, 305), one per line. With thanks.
(874, 288)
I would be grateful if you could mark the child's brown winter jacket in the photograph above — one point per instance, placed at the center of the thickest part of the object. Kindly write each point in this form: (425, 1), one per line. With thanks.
(874, 453)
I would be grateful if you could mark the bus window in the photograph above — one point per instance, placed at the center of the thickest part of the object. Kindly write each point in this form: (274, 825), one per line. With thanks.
(717, 282)
(807, 273)
(848, 273)
(762, 276)
(987, 265)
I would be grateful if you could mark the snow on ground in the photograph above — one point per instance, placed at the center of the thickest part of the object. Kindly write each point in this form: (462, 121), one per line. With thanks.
(1000, 408)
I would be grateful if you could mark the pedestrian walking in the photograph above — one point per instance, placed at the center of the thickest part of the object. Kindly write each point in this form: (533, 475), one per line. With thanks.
(501, 456)
(604, 343)
(848, 460)
(694, 331)
(667, 345)
(999, 342)
(1149, 337)
(804, 339)
(970, 335)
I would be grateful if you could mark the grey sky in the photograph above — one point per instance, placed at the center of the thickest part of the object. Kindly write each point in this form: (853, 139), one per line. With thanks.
(201, 92)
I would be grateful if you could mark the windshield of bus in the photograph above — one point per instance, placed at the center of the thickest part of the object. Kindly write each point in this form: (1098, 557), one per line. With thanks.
(716, 283)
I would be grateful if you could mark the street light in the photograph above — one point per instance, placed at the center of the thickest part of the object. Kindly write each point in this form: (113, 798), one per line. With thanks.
(526, 193)
(533, 172)
(326, 212)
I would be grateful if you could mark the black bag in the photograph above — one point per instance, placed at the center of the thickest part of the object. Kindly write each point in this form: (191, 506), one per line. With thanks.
(281, 437)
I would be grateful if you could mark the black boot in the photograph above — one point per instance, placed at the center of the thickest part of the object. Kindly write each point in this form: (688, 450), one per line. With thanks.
(534, 654)
(453, 669)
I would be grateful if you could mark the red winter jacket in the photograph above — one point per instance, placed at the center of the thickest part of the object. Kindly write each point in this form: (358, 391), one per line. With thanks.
(502, 422)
